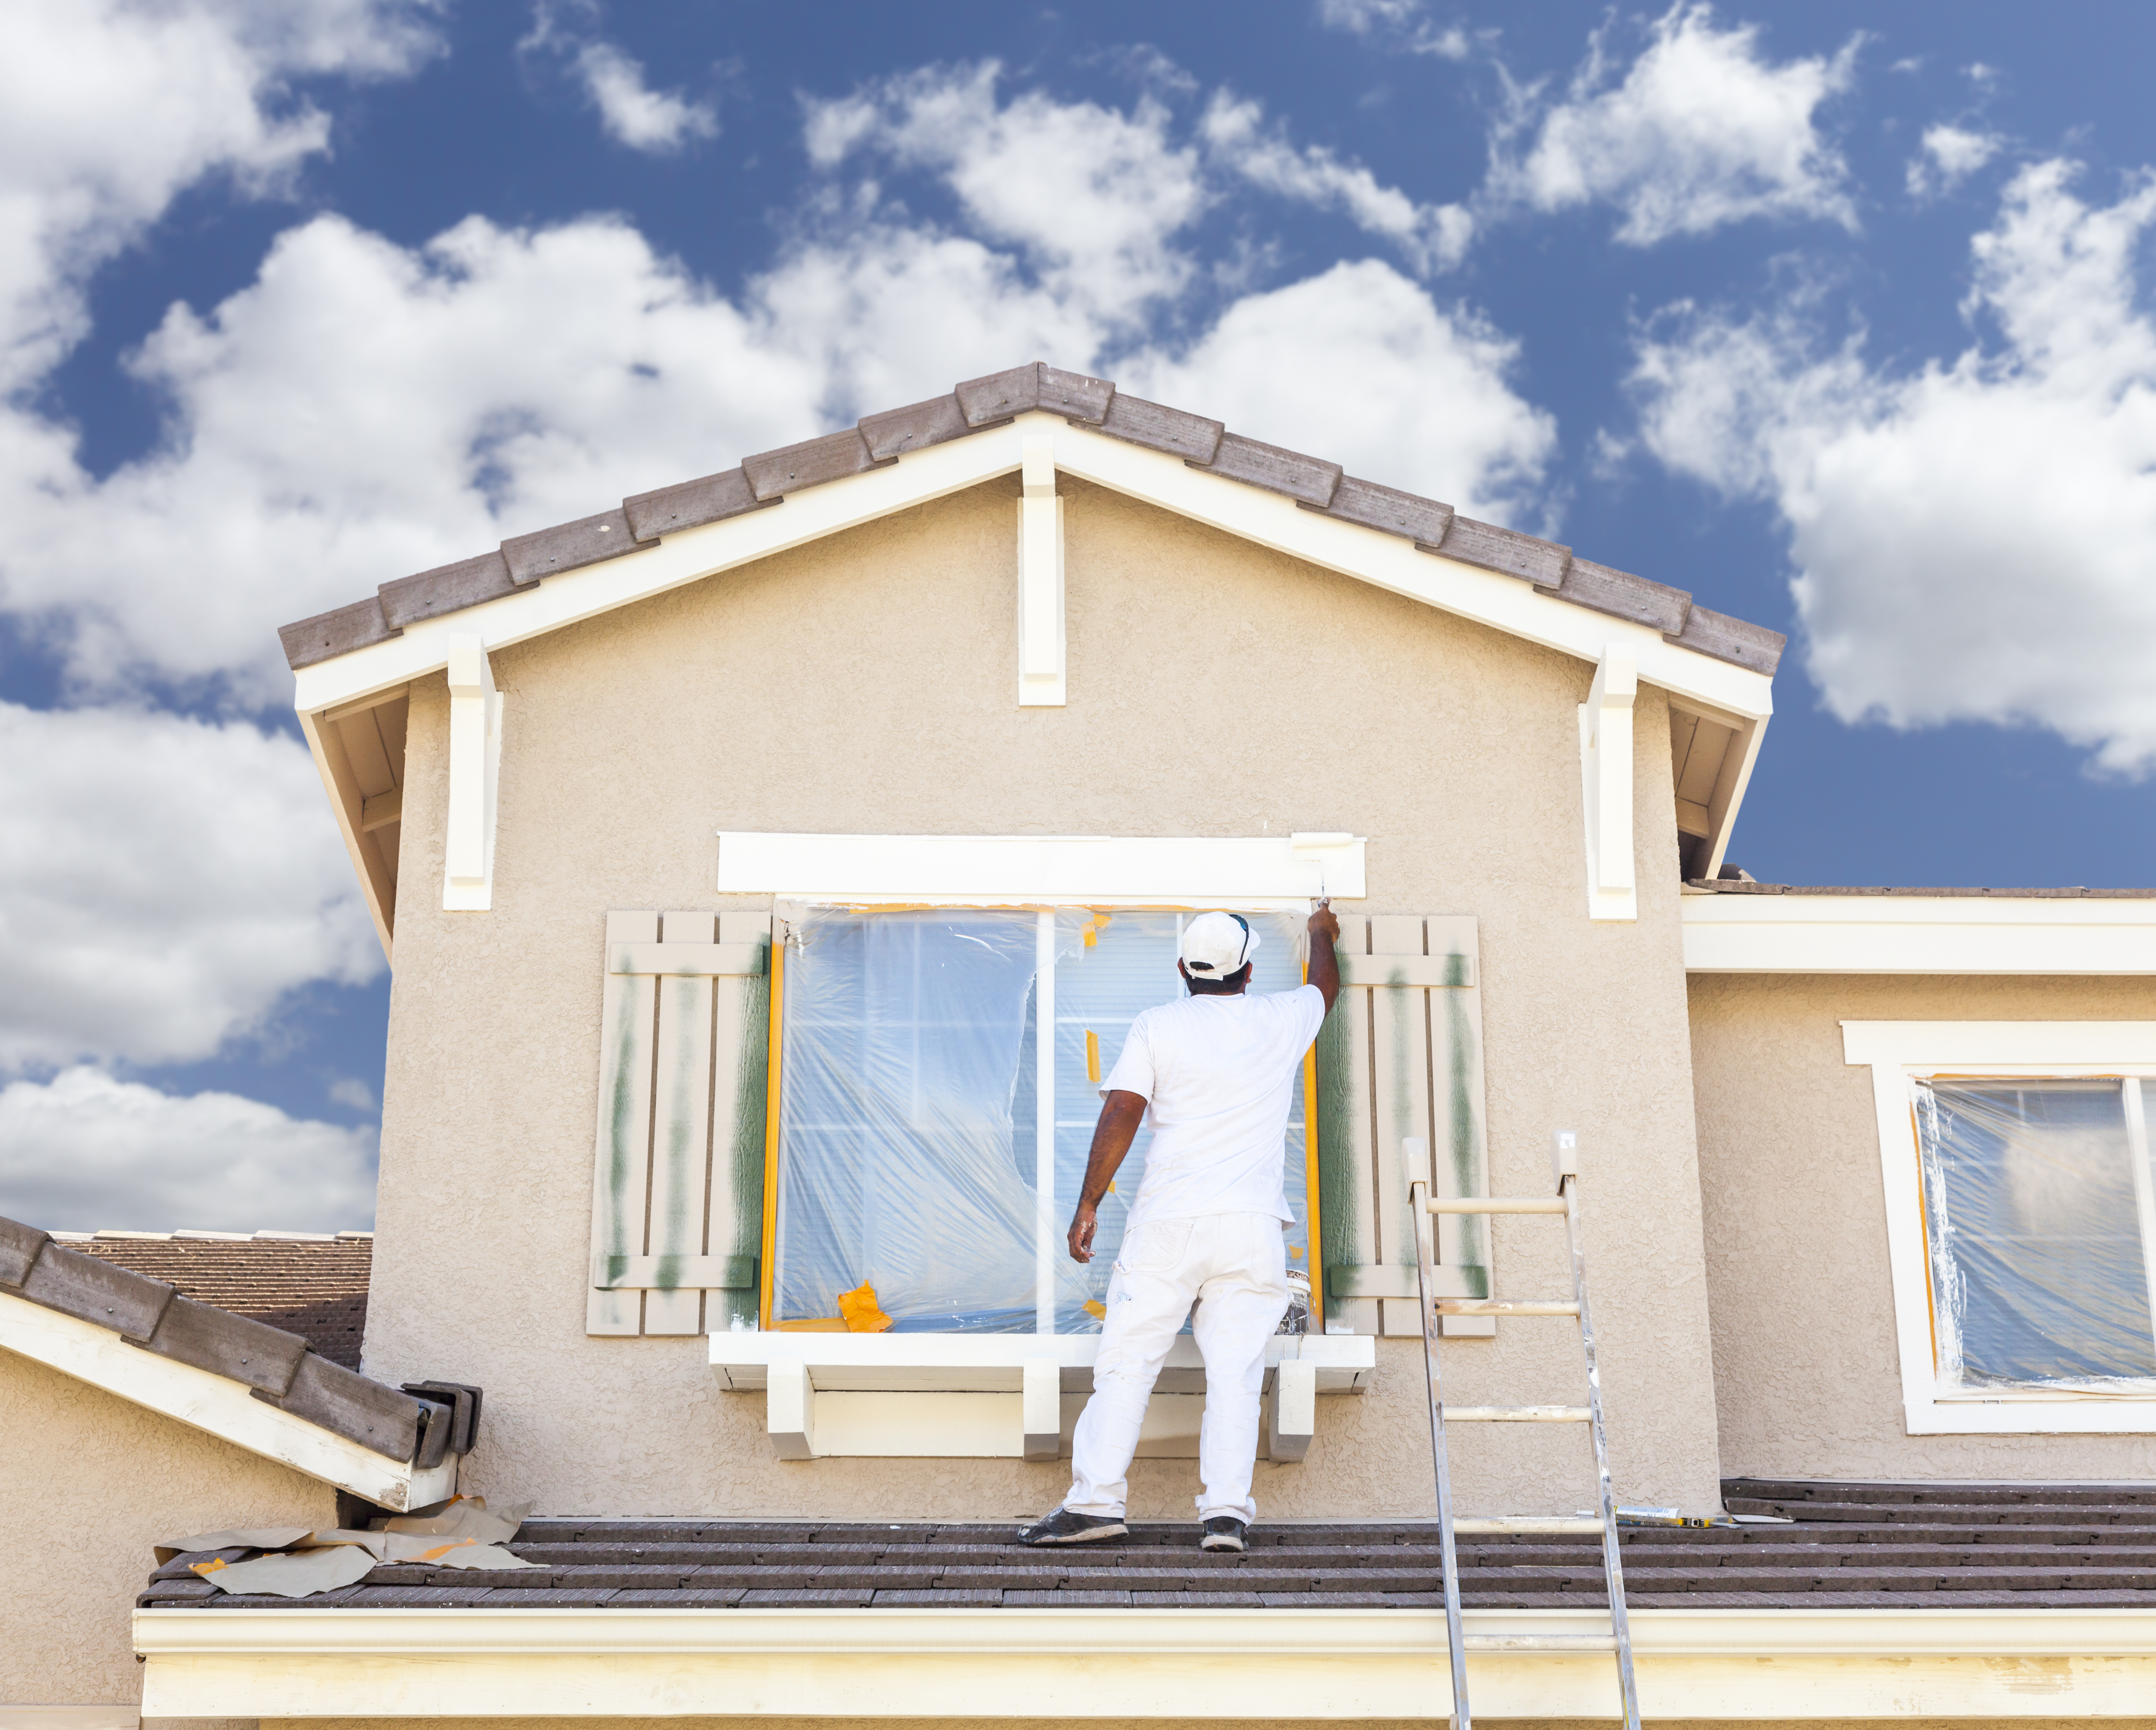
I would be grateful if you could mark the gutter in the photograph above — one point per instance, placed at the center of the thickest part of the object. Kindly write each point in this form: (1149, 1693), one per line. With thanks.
(1056, 1663)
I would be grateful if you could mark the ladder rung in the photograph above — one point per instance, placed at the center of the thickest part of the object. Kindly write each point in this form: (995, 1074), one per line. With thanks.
(1505, 1306)
(1540, 1643)
(1495, 1524)
(1496, 1204)
(1517, 1414)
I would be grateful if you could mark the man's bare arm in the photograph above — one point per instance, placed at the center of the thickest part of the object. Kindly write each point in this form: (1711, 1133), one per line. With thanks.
(1324, 964)
(1121, 1115)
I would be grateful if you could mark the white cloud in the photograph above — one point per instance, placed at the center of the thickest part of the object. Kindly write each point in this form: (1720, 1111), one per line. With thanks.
(363, 410)
(108, 110)
(1430, 410)
(85, 1153)
(1699, 131)
(1092, 197)
(1434, 237)
(1404, 23)
(1973, 540)
(1951, 154)
(163, 881)
(658, 122)
(353, 1094)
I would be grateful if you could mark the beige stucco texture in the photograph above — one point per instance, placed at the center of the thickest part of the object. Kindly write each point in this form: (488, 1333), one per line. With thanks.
(992, 1717)
(79, 1512)
(1805, 1368)
(867, 683)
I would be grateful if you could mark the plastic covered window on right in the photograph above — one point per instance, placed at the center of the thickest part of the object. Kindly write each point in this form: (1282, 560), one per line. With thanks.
(2040, 1231)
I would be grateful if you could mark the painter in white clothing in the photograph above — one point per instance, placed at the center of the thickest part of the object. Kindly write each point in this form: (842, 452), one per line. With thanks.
(1214, 1077)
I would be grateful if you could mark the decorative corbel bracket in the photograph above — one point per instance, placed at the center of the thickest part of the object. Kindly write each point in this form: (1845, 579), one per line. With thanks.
(474, 777)
(1605, 772)
(1040, 645)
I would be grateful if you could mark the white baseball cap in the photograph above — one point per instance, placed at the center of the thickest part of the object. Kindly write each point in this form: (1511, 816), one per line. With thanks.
(1215, 945)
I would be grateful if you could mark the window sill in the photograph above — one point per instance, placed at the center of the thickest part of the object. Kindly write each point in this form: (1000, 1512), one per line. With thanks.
(1003, 1396)
(2031, 1413)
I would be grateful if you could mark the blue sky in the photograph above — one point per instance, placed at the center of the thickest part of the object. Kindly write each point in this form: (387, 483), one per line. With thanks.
(1838, 317)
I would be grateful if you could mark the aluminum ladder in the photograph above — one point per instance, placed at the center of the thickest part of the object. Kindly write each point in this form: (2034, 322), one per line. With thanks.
(1564, 1160)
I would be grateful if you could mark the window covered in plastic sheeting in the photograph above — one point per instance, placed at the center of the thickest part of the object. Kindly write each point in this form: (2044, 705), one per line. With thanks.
(2040, 1231)
(910, 1181)
(905, 1047)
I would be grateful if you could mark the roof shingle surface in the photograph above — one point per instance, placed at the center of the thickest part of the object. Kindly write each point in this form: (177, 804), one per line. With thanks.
(313, 1287)
(1886, 1546)
(879, 439)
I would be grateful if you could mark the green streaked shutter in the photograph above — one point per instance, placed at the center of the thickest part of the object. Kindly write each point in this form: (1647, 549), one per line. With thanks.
(677, 1208)
(1395, 1062)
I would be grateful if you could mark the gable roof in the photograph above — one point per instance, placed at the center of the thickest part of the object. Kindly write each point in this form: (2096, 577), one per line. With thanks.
(261, 1387)
(522, 562)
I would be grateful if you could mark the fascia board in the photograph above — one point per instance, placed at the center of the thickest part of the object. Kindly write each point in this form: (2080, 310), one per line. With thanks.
(1044, 1663)
(1504, 603)
(213, 1404)
(1896, 934)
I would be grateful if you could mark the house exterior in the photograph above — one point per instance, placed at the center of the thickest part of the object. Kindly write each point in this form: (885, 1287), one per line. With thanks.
(768, 865)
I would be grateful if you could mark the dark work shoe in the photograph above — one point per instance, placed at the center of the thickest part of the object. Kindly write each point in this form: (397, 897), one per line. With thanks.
(1064, 1527)
(1223, 1531)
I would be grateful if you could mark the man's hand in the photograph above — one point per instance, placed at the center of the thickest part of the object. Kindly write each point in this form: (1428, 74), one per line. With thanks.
(1324, 965)
(1121, 1115)
(1323, 924)
(1083, 1223)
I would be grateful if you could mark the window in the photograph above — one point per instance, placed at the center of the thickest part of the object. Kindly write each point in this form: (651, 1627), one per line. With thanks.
(918, 1097)
(2020, 1221)
(2040, 1230)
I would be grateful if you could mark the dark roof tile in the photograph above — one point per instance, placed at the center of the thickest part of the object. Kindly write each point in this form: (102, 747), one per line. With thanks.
(671, 508)
(570, 546)
(913, 428)
(1541, 562)
(1422, 520)
(1305, 479)
(446, 589)
(327, 635)
(1752, 646)
(235, 1346)
(1620, 594)
(776, 472)
(1191, 437)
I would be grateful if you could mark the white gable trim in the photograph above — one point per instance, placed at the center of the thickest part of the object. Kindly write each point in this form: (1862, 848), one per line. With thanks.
(1833, 1665)
(1909, 934)
(213, 1404)
(1276, 871)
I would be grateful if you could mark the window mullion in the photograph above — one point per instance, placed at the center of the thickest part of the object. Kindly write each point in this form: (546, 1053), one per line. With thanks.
(1044, 1096)
(2144, 1184)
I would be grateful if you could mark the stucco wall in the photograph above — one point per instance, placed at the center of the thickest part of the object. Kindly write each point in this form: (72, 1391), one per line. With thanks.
(867, 683)
(749, 1723)
(1805, 1367)
(88, 1483)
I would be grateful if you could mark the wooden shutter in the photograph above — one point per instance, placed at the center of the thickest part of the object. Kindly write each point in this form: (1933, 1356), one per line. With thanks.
(1400, 1058)
(677, 1189)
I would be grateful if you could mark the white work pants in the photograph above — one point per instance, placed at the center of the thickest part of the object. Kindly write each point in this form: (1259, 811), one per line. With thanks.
(1237, 1263)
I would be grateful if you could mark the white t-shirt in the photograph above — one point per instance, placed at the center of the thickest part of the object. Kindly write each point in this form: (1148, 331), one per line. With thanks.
(1219, 1075)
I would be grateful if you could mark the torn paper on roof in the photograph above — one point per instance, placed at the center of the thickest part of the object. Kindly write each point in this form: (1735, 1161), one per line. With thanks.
(290, 1573)
(297, 1562)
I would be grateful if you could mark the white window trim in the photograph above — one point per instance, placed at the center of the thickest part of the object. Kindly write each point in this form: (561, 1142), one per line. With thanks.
(1897, 1051)
(1254, 873)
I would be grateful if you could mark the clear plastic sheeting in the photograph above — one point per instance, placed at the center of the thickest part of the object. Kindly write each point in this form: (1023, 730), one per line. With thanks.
(906, 1044)
(2035, 1216)
(909, 1114)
